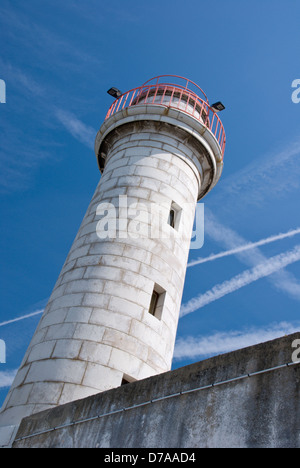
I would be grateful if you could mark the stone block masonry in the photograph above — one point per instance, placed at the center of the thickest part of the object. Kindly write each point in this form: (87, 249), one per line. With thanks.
(96, 329)
(112, 316)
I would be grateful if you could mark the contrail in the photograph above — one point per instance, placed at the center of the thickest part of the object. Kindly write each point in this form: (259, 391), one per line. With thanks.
(247, 277)
(283, 280)
(242, 248)
(223, 342)
(38, 312)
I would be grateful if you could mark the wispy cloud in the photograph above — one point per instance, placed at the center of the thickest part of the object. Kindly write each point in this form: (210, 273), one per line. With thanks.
(50, 45)
(270, 177)
(7, 377)
(24, 95)
(239, 281)
(17, 77)
(266, 178)
(78, 129)
(223, 342)
(17, 173)
(243, 248)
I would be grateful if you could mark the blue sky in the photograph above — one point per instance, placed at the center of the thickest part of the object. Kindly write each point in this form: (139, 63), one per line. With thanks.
(58, 59)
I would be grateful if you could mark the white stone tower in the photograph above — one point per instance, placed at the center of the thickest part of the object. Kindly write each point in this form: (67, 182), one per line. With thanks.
(113, 313)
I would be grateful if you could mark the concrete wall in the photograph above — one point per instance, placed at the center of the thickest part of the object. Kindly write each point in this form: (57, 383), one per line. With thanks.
(262, 410)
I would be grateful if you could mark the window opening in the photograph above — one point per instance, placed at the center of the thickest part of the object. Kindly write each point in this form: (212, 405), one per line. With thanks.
(153, 303)
(174, 216)
(157, 302)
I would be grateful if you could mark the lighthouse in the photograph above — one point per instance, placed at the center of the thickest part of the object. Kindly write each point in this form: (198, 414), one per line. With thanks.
(113, 314)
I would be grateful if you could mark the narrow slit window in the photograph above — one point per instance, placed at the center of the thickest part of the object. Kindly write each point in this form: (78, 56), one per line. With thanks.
(153, 303)
(174, 216)
(157, 302)
(171, 219)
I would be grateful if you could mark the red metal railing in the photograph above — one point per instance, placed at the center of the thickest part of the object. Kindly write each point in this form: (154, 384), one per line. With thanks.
(182, 95)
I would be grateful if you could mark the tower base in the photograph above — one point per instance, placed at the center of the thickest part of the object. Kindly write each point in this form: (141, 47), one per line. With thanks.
(244, 399)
